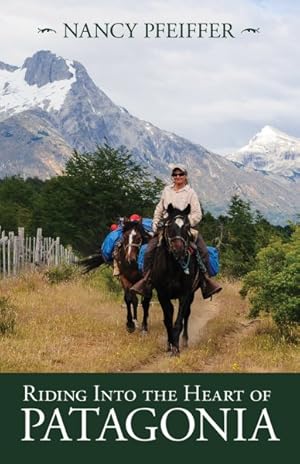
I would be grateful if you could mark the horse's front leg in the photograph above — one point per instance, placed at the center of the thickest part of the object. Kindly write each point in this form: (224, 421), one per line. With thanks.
(185, 336)
(146, 303)
(183, 314)
(135, 303)
(168, 310)
(128, 300)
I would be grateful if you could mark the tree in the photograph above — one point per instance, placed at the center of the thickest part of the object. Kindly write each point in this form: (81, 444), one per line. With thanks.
(239, 244)
(273, 285)
(210, 228)
(17, 197)
(266, 232)
(94, 191)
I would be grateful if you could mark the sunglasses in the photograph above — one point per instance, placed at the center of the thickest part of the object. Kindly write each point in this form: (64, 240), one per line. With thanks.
(180, 174)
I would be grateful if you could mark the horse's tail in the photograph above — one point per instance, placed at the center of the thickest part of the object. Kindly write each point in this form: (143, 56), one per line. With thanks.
(91, 262)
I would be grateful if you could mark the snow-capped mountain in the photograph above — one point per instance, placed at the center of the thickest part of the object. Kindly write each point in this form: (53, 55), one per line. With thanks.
(50, 106)
(272, 151)
(29, 86)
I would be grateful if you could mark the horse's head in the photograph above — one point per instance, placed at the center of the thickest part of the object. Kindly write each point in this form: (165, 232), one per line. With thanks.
(177, 230)
(133, 235)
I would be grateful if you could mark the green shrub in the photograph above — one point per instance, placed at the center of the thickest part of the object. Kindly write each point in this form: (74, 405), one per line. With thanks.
(7, 316)
(273, 286)
(112, 283)
(61, 273)
(103, 280)
(234, 265)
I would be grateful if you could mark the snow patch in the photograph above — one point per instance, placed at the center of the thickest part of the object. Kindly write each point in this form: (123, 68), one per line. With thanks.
(149, 128)
(17, 96)
(270, 150)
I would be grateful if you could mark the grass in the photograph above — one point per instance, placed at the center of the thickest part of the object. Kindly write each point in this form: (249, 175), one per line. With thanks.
(79, 326)
(72, 326)
(7, 316)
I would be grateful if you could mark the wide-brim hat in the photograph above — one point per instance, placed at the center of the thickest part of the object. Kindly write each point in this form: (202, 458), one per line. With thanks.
(180, 167)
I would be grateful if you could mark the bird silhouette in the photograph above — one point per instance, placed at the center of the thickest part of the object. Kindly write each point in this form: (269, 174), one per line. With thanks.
(45, 29)
(251, 29)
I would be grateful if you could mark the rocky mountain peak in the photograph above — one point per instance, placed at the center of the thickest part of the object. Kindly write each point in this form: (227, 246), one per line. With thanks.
(7, 67)
(271, 150)
(51, 106)
(271, 135)
(45, 67)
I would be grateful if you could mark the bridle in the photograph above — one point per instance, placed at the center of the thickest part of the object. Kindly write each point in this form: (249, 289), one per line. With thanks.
(169, 239)
(137, 245)
(184, 259)
(130, 244)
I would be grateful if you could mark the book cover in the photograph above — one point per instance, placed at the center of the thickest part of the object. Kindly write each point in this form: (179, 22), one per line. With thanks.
(100, 104)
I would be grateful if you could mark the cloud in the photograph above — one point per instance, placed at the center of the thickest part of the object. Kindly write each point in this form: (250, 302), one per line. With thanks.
(216, 92)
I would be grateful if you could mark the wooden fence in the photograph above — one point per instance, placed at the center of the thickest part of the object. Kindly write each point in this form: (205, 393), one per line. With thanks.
(20, 252)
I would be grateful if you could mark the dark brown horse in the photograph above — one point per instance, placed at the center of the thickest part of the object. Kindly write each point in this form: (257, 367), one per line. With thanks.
(176, 274)
(126, 255)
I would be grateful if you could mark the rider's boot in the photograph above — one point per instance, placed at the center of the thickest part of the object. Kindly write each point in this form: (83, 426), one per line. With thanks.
(143, 286)
(209, 287)
(116, 270)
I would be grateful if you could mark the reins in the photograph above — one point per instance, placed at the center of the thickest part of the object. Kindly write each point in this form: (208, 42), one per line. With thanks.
(138, 245)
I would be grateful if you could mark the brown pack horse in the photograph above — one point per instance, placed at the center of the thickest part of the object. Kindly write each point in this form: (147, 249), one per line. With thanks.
(126, 255)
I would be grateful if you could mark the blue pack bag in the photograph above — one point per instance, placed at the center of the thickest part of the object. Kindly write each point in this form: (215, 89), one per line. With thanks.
(111, 239)
(147, 224)
(109, 243)
(141, 257)
(214, 263)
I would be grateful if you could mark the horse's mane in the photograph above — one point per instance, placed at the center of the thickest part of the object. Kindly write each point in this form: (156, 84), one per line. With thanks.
(135, 225)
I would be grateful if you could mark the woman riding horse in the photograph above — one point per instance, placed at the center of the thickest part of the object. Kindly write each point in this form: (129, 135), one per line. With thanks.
(176, 274)
(180, 195)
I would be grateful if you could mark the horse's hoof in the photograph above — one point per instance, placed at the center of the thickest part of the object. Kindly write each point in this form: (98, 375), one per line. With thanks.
(136, 324)
(169, 348)
(175, 351)
(185, 343)
(130, 328)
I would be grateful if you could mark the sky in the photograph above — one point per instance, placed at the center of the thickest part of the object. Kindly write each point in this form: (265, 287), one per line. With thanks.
(215, 92)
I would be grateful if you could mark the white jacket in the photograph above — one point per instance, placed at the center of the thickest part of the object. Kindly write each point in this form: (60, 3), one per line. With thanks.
(180, 199)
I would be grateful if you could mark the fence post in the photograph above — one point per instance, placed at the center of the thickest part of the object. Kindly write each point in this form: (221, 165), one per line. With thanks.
(37, 246)
(10, 247)
(21, 247)
(3, 252)
(57, 249)
(50, 251)
(18, 252)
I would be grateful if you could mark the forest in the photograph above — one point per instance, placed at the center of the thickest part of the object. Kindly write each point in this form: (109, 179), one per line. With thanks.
(98, 188)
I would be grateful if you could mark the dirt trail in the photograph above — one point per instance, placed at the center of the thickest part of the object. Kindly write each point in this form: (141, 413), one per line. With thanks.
(202, 312)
